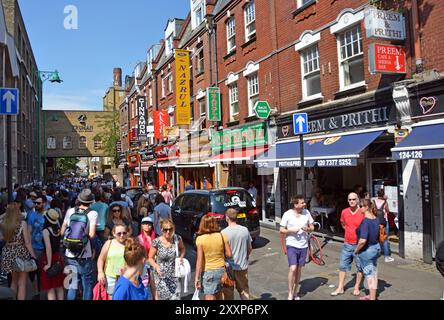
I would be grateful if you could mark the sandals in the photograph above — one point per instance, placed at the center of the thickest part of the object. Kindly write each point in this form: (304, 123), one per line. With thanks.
(334, 293)
(365, 298)
(356, 295)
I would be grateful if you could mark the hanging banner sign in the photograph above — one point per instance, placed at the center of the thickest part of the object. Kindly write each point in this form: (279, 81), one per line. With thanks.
(141, 120)
(382, 24)
(386, 58)
(213, 103)
(183, 108)
(161, 121)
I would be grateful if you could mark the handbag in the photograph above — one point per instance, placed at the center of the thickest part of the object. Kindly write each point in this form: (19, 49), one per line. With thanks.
(180, 271)
(55, 269)
(226, 281)
(22, 265)
(196, 295)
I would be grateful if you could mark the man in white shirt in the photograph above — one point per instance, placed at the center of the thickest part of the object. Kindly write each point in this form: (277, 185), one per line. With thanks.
(81, 265)
(294, 224)
(252, 190)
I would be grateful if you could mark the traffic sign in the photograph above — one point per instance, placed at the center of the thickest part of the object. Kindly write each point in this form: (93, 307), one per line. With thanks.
(262, 109)
(9, 101)
(300, 123)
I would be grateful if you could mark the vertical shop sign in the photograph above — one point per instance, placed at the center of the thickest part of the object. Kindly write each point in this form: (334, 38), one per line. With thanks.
(213, 104)
(161, 121)
(183, 109)
(141, 120)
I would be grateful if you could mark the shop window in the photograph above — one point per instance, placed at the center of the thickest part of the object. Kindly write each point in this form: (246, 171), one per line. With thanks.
(311, 79)
(250, 21)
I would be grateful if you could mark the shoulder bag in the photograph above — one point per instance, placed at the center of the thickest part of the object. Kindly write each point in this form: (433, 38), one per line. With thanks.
(22, 265)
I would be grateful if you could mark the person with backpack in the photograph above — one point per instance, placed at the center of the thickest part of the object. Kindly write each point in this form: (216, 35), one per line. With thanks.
(78, 228)
(382, 211)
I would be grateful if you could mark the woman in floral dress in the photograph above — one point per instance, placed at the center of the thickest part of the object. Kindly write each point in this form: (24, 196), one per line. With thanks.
(162, 258)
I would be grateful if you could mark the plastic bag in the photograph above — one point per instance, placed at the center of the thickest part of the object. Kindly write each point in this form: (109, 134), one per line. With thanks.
(196, 295)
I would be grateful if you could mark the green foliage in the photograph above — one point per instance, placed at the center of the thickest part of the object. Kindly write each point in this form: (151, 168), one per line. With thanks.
(110, 134)
(64, 165)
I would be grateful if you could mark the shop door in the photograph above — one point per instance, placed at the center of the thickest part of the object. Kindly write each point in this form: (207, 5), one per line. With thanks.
(268, 199)
(437, 202)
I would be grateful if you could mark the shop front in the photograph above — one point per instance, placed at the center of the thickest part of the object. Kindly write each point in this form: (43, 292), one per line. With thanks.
(195, 150)
(147, 167)
(134, 170)
(347, 149)
(167, 157)
(233, 152)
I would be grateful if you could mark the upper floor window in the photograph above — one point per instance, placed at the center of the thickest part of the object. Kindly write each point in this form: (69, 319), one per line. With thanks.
(302, 3)
(199, 16)
(67, 142)
(98, 144)
(197, 13)
(51, 143)
(351, 57)
(253, 92)
(169, 44)
(82, 142)
(231, 34)
(164, 87)
(311, 74)
(202, 107)
(170, 82)
(250, 21)
(200, 60)
(234, 102)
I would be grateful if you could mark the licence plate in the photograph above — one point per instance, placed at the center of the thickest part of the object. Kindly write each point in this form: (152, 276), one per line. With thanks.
(241, 215)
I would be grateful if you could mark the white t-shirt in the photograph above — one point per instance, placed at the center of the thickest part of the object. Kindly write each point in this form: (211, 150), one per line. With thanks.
(92, 220)
(289, 220)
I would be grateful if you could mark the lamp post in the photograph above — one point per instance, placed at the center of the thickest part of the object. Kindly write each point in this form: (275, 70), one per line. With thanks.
(42, 76)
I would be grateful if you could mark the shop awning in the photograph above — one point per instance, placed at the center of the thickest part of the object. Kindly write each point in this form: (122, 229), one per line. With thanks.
(423, 142)
(333, 151)
(238, 155)
(193, 165)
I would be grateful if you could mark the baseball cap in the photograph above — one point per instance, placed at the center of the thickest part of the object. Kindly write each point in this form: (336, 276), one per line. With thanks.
(147, 220)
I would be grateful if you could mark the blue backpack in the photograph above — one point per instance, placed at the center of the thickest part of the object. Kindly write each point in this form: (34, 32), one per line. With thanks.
(76, 235)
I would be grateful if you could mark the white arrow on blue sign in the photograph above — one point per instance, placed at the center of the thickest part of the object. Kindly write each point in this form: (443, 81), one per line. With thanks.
(9, 101)
(300, 123)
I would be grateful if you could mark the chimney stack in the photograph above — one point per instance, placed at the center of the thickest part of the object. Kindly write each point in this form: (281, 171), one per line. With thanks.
(117, 77)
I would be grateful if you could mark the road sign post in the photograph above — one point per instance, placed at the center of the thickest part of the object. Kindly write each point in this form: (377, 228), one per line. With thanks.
(300, 126)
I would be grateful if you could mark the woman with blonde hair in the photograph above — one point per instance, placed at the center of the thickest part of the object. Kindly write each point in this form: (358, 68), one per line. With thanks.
(368, 248)
(111, 260)
(212, 249)
(162, 258)
(18, 245)
(130, 286)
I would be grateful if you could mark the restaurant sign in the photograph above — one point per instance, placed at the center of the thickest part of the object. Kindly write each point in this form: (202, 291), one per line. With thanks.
(383, 24)
(247, 136)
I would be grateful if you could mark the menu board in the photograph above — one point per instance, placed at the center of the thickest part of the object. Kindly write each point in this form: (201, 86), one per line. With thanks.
(392, 198)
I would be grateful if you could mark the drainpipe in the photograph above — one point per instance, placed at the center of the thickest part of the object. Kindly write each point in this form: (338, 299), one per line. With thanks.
(417, 42)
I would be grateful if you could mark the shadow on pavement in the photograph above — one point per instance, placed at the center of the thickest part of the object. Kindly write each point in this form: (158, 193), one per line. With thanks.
(266, 296)
(310, 285)
(260, 243)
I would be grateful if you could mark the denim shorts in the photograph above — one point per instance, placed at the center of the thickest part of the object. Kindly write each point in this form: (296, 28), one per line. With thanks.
(296, 256)
(211, 281)
(368, 259)
(347, 257)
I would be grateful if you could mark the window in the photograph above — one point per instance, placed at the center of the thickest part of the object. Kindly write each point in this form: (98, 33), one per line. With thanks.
(169, 44)
(67, 142)
(311, 75)
(231, 35)
(200, 60)
(170, 82)
(82, 142)
(202, 107)
(253, 93)
(98, 144)
(302, 3)
(351, 57)
(234, 102)
(171, 119)
(151, 96)
(51, 143)
(250, 21)
(198, 16)
(163, 87)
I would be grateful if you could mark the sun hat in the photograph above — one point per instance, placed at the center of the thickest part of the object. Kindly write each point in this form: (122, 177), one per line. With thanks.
(86, 196)
(52, 216)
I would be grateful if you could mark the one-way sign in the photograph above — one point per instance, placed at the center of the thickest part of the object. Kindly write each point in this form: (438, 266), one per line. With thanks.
(9, 101)
(300, 123)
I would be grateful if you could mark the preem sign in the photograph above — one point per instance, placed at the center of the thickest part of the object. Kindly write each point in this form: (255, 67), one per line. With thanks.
(382, 24)
(141, 113)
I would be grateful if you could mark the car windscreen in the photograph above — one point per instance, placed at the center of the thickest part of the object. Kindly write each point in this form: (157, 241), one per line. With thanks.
(237, 199)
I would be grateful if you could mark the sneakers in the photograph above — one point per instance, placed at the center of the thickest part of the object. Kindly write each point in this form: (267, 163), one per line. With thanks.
(388, 259)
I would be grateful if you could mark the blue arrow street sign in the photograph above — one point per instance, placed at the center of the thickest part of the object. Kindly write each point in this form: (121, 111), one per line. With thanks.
(300, 123)
(9, 101)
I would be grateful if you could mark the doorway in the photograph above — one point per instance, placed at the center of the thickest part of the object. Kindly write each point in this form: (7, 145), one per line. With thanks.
(437, 202)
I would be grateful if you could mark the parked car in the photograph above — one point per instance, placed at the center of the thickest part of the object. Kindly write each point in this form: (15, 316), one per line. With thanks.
(189, 207)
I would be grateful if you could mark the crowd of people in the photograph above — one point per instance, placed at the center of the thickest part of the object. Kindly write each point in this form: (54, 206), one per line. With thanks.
(84, 240)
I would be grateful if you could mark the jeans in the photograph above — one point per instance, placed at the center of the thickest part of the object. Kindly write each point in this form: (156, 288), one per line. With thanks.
(347, 257)
(385, 247)
(368, 260)
(82, 268)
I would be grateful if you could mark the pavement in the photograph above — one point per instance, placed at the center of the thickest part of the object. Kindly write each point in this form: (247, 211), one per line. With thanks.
(401, 279)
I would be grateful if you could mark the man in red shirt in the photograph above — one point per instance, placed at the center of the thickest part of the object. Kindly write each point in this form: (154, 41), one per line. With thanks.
(351, 218)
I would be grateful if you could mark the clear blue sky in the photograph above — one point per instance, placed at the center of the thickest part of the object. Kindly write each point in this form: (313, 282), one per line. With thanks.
(111, 33)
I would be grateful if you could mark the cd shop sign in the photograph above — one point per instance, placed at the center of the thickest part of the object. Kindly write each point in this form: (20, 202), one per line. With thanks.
(364, 118)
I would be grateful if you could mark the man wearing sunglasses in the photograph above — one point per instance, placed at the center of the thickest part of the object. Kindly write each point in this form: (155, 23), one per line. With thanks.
(36, 221)
(351, 218)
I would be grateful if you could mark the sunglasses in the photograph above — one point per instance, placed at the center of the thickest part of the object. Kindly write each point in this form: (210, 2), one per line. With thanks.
(116, 210)
(36, 202)
(120, 234)
(167, 229)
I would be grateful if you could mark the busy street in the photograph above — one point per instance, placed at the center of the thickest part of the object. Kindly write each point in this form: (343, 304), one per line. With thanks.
(199, 151)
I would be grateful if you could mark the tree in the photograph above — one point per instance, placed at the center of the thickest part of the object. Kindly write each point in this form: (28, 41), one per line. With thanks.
(110, 134)
(64, 165)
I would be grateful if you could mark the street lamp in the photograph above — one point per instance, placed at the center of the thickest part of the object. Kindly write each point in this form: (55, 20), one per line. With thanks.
(42, 76)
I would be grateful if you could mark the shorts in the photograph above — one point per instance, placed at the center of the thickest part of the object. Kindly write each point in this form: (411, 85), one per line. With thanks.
(347, 256)
(296, 256)
(211, 281)
(368, 259)
(241, 283)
